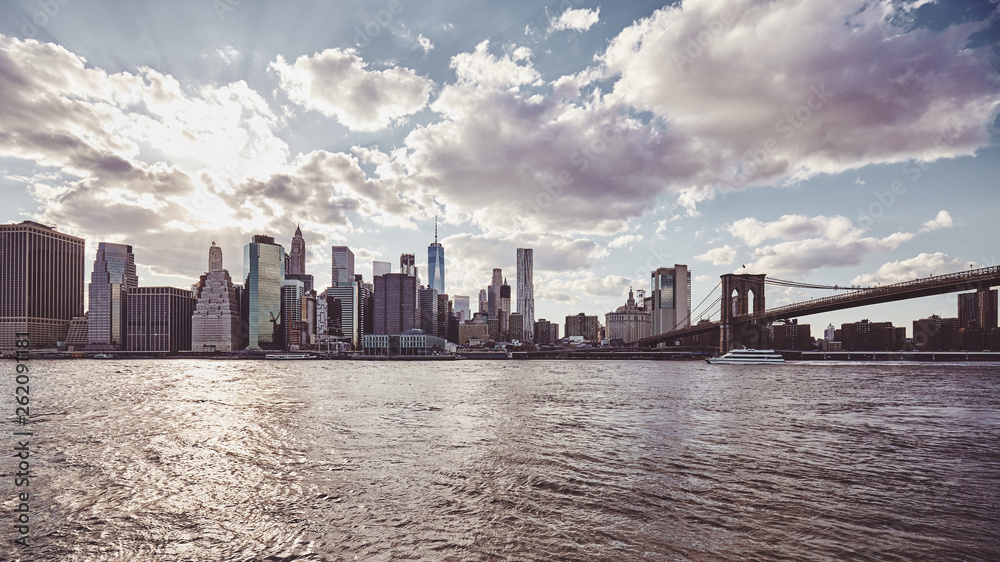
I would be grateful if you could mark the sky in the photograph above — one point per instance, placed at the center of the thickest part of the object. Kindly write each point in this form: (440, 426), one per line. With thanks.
(836, 143)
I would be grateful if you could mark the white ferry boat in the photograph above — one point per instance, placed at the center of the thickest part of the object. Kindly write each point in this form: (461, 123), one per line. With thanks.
(748, 357)
(289, 356)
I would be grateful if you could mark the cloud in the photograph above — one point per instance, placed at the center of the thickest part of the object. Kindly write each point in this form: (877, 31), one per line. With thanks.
(753, 232)
(837, 95)
(923, 265)
(425, 43)
(809, 243)
(489, 71)
(942, 220)
(625, 240)
(577, 20)
(719, 256)
(337, 83)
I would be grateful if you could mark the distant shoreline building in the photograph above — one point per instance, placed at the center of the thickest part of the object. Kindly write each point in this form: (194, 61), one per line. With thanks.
(628, 323)
(215, 324)
(526, 290)
(435, 264)
(263, 269)
(159, 319)
(41, 283)
(670, 289)
(114, 274)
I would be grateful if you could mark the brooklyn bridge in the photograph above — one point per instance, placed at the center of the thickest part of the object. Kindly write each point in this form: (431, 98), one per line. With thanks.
(744, 317)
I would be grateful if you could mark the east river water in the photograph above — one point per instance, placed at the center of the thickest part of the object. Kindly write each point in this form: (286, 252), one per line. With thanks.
(499, 460)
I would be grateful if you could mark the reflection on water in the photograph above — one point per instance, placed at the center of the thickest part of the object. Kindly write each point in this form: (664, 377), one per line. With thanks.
(243, 460)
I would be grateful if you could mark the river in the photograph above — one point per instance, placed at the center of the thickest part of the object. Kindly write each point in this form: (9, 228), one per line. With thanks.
(499, 460)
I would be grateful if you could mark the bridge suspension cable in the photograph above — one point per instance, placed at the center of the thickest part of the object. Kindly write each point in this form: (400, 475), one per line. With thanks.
(709, 309)
(801, 285)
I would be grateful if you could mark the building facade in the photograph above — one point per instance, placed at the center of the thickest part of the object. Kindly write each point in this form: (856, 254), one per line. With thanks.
(543, 332)
(516, 327)
(670, 289)
(462, 310)
(582, 325)
(978, 310)
(381, 268)
(41, 284)
(159, 319)
(113, 276)
(297, 254)
(406, 345)
(435, 264)
(526, 290)
(627, 324)
(342, 265)
(215, 324)
(395, 310)
(292, 291)
(264, 274)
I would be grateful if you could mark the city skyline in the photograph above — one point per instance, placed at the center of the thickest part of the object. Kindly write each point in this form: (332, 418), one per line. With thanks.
(599, 166)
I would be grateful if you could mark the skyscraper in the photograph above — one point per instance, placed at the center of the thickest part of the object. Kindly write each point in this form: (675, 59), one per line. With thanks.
(292, 291)
(343, 265)
(428, 304)
(216, 321)
(526, 290)
(264, 274)
(41, 283)
(381, 268)
(504, 313)
(159, 319)
(297, 254)
(484, 301)
(408, 265)
(395, 309)
(495, 285)
(462, 309)
(113, 275)
(670, 289)
(435, 264)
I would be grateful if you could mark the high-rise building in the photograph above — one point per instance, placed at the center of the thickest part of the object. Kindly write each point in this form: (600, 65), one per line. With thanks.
(41, 283)
(444, 315)
(292, 291)
(484, 302)
(670, 289)
(435, 263)
(791, 336)
(159, 319)
(395, 309)
(978, 309)
(627, 324)
(526, 290)
(871, 336)
(381, 268)
(345, 313)
(462, 310)
(297, 254)
(264, 275)
(113, 276)
(408, 265)
(343, 265)
(543, 332)
(428, 310)
(214, 258)
(582, 325)
(830, 333)
(495, 285)
(516, 327)
(503, 314)
(215, 324)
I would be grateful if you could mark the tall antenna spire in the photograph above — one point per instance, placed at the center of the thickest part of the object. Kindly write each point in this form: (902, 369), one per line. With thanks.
(435, 229)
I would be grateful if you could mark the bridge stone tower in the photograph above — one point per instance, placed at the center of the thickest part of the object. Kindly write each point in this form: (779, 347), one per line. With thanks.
(736, 291)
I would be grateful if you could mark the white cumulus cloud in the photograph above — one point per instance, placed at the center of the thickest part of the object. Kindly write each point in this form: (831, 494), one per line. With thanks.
(338, 83)
(577, 20)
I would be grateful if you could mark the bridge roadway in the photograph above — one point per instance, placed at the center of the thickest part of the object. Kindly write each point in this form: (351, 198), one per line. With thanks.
(971, 280)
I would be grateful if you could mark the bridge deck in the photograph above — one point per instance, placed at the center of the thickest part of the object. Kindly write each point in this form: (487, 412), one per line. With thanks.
(971, 280)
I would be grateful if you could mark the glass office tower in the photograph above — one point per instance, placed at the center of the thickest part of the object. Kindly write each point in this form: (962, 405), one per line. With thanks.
(435, 263)
(264, 272)
(114, 274)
